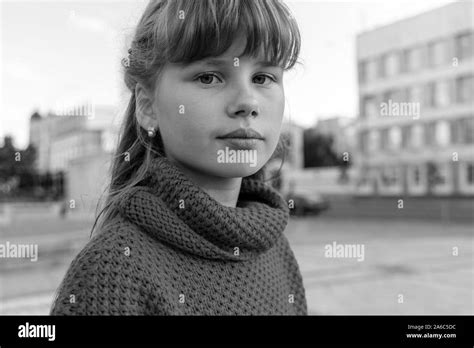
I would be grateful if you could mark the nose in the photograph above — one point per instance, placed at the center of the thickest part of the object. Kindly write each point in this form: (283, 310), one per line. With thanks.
(245, 105)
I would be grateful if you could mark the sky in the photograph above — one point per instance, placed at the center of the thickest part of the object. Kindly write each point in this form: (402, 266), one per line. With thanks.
(56, 53)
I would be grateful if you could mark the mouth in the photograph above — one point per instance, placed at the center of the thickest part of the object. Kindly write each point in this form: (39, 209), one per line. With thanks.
(242, 143)
(244, 134)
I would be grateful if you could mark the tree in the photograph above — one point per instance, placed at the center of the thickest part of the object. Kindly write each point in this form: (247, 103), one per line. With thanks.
(318, 150)
(7, 159)
(17, 164)
(433, 176)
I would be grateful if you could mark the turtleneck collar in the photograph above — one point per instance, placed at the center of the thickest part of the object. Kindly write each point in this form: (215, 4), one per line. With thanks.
(173, 209)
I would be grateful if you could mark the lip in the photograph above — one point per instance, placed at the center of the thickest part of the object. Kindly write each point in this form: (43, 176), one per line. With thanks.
(243, 133)
(242, 143)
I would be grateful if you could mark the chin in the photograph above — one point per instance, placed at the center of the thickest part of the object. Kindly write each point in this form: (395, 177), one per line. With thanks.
(235, 170)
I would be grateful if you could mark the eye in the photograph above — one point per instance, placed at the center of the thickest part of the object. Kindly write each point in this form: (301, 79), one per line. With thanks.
(264, 76)
(207, 78)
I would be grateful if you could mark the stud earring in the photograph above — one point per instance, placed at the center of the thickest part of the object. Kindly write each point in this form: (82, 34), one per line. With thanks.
(151, 132)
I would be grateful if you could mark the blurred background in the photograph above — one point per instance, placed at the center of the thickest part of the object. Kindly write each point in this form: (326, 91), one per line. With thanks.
(379, 119)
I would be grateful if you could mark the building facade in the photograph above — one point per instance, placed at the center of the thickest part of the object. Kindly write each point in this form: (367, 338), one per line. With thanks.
(61, 138)
(416, 105)
(80, 145)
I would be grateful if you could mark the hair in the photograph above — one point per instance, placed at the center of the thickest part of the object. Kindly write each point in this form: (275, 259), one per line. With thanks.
(182, 31)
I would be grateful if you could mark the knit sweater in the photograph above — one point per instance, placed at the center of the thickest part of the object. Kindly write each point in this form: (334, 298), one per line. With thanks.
(174, 250)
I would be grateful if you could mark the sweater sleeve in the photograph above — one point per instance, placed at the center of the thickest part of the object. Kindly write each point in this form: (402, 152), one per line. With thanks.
(295, 279)
(101, 280)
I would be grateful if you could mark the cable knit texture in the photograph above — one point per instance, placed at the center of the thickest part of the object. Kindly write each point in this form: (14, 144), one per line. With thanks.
(174, 250)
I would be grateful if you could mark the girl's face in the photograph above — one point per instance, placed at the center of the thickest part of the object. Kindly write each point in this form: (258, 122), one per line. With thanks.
(198, 104)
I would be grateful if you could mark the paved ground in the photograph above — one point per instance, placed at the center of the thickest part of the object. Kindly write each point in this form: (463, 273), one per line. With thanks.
(414, 259)
(28, 287)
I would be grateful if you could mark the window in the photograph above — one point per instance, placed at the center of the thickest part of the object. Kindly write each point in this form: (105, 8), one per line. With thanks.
(428, 92)
(369, 107)
(417, 135)
(464, 89)
(363, 140)
(437, 53)
(430, 134)
(442, 133)
(405, 94)
(437, 93)
(412, 59)
(395, 137)
(392, 64)
(398, 95)
(455, 130)
(406, 60)
(464, 45)
(467, 131)
(416, 94)
(371, 70)
(470, 174)
(438, 175)
(395, 95)
(374, 140)
(416, 175)
(406, 136)
(417, 59)
(389, 176)
(388, 95)
(443, 174)
(462, 131)
(384, 139)
(365, 177)
(381, 66)
(362, 69)
(441, 93)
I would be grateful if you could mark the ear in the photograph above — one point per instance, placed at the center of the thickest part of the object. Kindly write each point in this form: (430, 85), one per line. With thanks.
(146, 117)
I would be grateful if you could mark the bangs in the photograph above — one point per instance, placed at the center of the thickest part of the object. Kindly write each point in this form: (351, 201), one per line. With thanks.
(197, 29)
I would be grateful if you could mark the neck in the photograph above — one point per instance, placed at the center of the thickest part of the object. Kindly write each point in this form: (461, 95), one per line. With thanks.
(223, 190)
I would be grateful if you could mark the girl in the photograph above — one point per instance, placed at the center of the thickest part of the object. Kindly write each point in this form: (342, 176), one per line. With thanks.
(189, 226)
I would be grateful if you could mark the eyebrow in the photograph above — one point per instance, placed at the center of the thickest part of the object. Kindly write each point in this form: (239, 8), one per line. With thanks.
(221, 62)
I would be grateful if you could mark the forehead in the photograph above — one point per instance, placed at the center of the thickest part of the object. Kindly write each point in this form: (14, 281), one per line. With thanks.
(222, 62)
(228, 58)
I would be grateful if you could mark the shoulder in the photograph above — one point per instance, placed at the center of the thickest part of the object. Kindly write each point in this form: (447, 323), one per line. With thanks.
(121, 244)
(107, 276)
(106, 247)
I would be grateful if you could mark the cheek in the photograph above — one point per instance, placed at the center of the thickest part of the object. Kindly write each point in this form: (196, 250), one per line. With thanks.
(275, 105)
(180, 133)
(184, 121)
(278, 112)
(275, 117)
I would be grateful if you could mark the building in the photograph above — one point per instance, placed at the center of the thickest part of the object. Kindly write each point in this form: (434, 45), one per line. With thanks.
(78, 142)
(41, 129)
(416, 100)
(60, 138)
